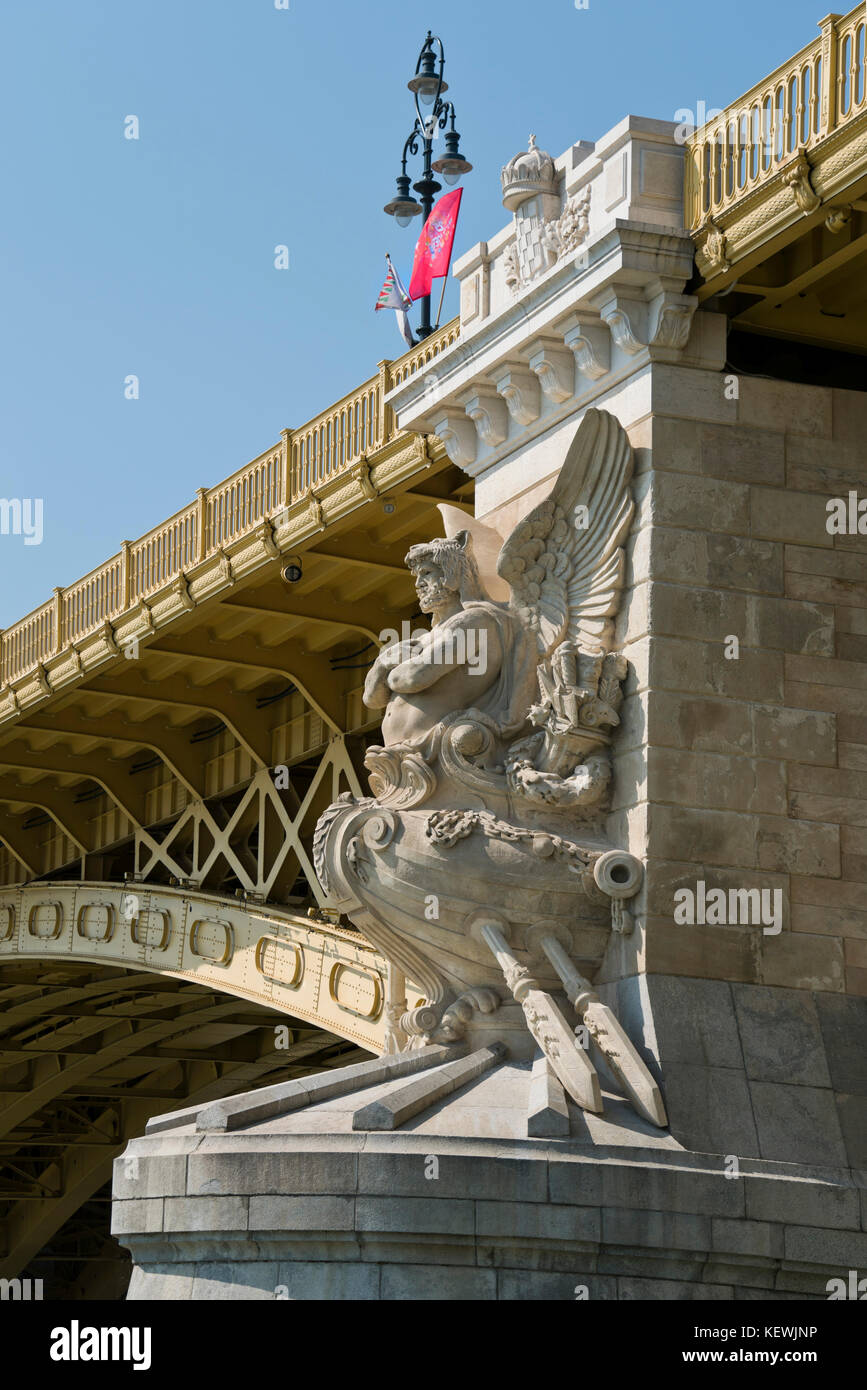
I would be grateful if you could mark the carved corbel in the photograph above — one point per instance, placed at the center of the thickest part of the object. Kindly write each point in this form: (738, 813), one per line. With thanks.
(146, 617)
(489, 415)
(520, 391)
(314, 511)
(181, 591)
(672, 320)
(265, 536)
(361, 475)
(798, 179)
(555, 369)
(715, 249)
(590, 344)
(106, 632)
(458, 436)
(225, 567)
(41, 678)
(624, 327)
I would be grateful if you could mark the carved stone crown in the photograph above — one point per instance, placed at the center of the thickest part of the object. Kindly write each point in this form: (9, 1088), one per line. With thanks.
(531, 171)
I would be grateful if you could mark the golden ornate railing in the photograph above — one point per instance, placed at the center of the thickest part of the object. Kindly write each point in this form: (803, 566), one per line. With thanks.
(339, 436)
(796, 108)
(331, 442)
(422, 356)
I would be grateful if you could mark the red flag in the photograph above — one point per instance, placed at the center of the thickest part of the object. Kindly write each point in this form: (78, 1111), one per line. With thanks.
(434, 250)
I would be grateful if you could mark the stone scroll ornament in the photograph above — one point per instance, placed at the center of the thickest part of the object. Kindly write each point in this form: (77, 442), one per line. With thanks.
(479, 866)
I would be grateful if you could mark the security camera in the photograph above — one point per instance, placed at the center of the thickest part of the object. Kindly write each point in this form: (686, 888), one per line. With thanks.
(292, 572)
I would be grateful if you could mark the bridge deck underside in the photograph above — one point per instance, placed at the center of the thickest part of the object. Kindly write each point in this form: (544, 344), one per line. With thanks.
(88, 1054)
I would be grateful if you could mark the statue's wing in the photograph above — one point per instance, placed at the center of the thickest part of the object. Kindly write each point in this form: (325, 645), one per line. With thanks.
(565, 560)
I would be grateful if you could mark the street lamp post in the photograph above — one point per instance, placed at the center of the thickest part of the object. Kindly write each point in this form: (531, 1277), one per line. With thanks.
(428, 86)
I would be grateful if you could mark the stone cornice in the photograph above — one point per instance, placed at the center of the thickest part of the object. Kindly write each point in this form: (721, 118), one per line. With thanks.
(592, 319)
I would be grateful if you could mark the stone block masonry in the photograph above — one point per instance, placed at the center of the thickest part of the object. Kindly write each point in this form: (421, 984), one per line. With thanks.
(744, 763)
(758, 761)
(464, 1208)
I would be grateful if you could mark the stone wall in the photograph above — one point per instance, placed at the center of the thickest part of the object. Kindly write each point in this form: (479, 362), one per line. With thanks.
(746, 772)
(749, 771)
(759, 764)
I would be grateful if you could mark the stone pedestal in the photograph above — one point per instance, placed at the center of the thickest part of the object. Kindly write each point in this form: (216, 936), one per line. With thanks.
(457, 1202)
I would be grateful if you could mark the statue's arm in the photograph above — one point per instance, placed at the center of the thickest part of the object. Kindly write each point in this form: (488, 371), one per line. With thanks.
(377, 691)
(465, 643)
(418, 674)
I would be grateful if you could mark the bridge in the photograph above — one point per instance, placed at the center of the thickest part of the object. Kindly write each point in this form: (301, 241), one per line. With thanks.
(171, 727)
(776, 199)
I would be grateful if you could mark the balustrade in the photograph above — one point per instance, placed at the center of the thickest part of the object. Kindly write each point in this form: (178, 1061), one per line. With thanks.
(304, 459)
(792, 111)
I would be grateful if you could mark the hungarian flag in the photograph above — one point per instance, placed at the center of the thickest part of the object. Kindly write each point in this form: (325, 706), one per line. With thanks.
(434, 250)
(394, 296)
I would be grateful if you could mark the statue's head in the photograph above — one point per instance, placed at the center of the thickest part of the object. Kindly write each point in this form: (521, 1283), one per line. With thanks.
(444, 570)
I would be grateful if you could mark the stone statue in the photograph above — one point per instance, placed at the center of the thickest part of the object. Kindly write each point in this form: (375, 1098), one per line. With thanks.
(475, 653)
(481, 857)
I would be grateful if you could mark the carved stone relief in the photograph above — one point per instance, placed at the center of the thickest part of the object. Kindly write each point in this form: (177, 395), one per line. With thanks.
(480, 866)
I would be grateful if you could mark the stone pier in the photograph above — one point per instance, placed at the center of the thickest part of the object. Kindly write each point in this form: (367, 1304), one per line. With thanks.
(739, 782)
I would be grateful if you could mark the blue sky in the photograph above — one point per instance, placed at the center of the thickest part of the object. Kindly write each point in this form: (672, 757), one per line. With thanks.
(261, 127)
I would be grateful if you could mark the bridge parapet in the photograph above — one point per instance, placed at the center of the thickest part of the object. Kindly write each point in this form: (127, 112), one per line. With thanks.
(792, 146)
(271, 500)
